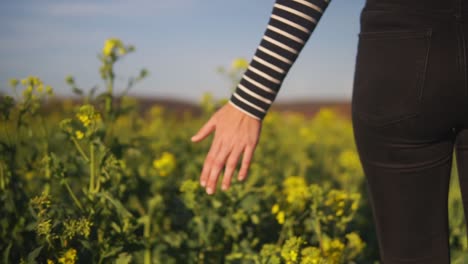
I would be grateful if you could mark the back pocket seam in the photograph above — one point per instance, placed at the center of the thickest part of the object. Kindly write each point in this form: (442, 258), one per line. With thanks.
(426, 34)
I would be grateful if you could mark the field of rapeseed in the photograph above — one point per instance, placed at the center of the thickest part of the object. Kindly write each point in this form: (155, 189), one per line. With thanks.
(101, 182)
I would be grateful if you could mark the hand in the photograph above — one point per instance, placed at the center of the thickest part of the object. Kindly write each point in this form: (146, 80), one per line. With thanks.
(236, 133)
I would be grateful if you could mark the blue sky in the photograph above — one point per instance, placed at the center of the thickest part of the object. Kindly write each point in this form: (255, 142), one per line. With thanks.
(180, 42)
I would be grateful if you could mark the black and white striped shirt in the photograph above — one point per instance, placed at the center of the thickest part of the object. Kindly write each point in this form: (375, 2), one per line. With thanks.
(290, 26)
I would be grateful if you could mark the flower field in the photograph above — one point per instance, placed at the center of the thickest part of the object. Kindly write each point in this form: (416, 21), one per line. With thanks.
(102, 182)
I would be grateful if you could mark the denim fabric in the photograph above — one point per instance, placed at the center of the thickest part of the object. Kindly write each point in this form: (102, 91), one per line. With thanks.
(409, 114)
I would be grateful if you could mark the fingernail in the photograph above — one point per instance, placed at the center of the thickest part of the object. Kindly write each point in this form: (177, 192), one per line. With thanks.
(209, 190)
(203, 183)
(224, 187)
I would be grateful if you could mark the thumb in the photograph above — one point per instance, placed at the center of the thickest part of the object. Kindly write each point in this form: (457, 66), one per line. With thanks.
(206, 129)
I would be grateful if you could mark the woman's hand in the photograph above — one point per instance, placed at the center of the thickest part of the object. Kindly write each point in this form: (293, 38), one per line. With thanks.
(236, 133)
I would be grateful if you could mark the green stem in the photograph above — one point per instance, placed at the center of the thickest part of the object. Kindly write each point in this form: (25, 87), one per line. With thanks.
(2, 177)
(77, 202)
(91, 169)
(80, 150)
(7, 135)
(318, 230)
(110, 90)
(147, 256)
(146, 234)
(46, 133)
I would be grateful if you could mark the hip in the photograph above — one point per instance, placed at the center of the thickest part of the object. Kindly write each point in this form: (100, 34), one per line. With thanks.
(409, 63)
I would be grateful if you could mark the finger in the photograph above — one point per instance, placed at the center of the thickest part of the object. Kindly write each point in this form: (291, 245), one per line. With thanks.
(204, 131)
(246, 160)
(217, 164)
(230, 167)
(215, 146)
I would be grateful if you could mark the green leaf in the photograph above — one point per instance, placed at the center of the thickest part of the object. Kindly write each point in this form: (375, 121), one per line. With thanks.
(124, 258)
(77, 90)
(33, 255)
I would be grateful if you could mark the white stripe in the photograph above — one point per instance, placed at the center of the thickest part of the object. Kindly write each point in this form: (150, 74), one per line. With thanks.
(248, 103)
(259, 97)
(279, 44)
(261, 86)
(264, 75)
(264, 62)
(273, 54)
(284, 33)
(295, 12)
(309, 5)
(292, 24)
(233, 104)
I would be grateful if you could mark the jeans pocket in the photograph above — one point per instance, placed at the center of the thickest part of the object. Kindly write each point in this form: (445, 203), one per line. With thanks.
(389, 75)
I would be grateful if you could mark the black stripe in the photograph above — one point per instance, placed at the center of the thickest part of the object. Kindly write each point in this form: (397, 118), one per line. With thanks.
(294, 18)
(252, 87)
(283, 39)
(303, 9)
(290, 29)
(283, 65)
(278, 50)
(247, 108)
(320, 3)
(260, 79)
(251, 99)
(267, 70)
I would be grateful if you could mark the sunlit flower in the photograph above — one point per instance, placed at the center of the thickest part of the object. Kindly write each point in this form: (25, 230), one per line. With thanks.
(79, 134)
(296, 191)
(69, 257)
(84, 119)
(280, 217)
(240, 64)
(275, 208)
(349, 159)
(293, 255)
(165, 164)
(113, 44)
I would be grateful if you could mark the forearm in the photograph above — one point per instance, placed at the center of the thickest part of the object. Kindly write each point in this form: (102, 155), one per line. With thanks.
(290, 26)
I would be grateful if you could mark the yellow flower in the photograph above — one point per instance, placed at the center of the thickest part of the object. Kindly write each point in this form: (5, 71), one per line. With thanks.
(165, 164)
(84, 119)
(14, 82)
(275, 208)
(44, 227)
(293, 255)
(50, 261)
(349, 159)
(280, 217)
(296, 191)
(69, 257)
(240, 63)
(79, 134)
(110, 45)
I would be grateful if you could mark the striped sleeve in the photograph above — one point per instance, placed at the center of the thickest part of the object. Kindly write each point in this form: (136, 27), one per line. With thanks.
(290, 26)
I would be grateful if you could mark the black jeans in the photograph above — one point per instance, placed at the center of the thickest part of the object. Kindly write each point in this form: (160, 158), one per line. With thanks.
(409, 113)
